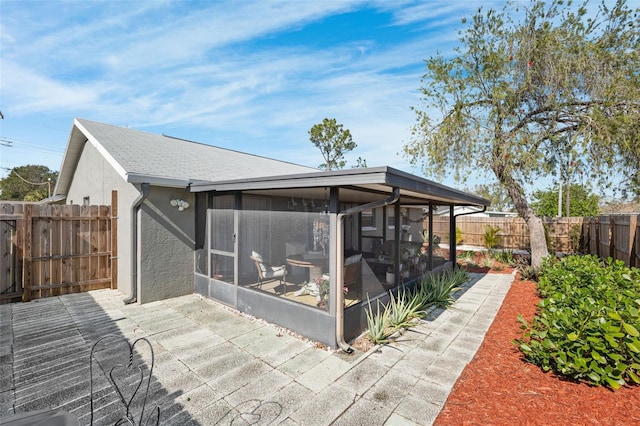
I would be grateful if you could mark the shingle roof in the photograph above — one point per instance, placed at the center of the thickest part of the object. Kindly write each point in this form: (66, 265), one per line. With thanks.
(147, 157)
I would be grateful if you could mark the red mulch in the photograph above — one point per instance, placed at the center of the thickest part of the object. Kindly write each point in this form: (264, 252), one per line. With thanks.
(499, 388)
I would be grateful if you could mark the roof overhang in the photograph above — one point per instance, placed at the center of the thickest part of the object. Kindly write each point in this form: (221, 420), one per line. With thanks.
(157, 180)
(356, 185)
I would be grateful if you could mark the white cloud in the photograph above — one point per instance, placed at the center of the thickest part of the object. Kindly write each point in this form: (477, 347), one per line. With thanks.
(221, 72)
(37, 93)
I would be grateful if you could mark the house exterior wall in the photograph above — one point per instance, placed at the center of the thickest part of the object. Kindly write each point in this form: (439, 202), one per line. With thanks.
(95, 178)
(166, 248)
(165, 235)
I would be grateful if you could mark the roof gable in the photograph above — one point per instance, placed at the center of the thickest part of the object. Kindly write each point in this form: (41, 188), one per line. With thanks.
(163, 160)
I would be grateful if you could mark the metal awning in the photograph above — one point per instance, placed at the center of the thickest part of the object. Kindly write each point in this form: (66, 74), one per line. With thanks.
(356, 186)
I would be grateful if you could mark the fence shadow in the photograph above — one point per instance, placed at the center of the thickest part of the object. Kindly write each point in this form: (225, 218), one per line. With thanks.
(48, 345)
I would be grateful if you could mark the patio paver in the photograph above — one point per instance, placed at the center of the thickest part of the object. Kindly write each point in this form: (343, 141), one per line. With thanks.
(214, 366)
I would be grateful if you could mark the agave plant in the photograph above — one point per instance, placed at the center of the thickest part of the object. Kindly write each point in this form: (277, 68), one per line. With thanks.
(377, 323)
(403, 309)
(438, 289)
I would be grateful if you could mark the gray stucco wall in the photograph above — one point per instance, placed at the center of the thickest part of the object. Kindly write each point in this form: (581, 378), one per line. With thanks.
(165, 235)
(166, 247)
(95, 178)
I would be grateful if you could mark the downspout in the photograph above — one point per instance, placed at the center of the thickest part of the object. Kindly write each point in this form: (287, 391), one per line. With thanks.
(144, 193)
(452, 233)
(395, 196)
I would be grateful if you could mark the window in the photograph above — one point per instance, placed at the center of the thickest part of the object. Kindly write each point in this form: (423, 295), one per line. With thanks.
(368, 220)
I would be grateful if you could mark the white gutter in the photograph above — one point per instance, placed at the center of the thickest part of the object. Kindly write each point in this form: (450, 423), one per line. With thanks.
(144, 192)
(339, 299)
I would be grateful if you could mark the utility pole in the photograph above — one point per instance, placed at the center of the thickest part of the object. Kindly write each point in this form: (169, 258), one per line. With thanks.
(569, 188)
(568, 196)
(4, 142)
(560, 183)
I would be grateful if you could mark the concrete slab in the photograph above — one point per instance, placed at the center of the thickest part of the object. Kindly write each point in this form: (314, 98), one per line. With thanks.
(303, 361)
(397, 420)
(364, 412)
(214, 366)
(323, 374)
(363, 376)
(325, 407)
(260, 388)
(391, 389)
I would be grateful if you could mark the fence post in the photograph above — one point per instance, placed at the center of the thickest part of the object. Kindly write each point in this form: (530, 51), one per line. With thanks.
(114, 239)
(27, 223)
(634, 239)
(612, 238)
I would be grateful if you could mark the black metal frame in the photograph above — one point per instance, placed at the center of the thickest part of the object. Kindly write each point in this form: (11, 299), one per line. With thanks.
(129, 418)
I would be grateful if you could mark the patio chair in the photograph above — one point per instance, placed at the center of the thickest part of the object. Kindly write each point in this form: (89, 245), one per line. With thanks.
(351, 271)
(267, 272)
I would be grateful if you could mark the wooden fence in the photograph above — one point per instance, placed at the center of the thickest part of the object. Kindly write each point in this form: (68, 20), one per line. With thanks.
(615, 236)
(49, 250)
(563, 234)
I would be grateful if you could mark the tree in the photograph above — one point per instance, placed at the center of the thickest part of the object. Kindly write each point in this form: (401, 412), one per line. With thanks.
(583, 203)
(333, 141)
(526, 92)
(361, 163)
(28, 183)
(496, 193)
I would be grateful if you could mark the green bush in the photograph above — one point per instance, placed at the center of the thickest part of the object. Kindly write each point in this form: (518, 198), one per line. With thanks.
(459, 235)
(503, 256)
(466, 255)
(491, 237)
(587, 324)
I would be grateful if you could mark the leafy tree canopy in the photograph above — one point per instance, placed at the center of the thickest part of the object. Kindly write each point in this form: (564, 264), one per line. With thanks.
(581, 201)
(496, 193)
(333, 141)
(361, 163)
(28, 183)
(533, 87)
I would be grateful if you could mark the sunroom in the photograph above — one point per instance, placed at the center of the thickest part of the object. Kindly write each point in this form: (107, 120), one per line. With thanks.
(310, 251)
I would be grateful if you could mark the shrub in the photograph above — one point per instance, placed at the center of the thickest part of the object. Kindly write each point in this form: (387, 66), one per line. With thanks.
(459, 235)
(503, 256)
(466, 256)
(588, 321)
(491, 237)
(528, 272)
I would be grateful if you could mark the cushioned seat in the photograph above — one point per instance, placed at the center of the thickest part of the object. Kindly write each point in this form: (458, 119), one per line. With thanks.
(267, 272)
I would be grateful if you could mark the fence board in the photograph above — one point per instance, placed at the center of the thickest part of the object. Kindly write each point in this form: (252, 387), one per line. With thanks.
(58, 249)
(8, 257)
(635, 253)
(620, 238)
(113, 241)
(563, 233)
(594, 235)
(605, 248)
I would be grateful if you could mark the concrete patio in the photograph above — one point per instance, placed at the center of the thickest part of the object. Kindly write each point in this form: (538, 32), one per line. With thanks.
(213, 366)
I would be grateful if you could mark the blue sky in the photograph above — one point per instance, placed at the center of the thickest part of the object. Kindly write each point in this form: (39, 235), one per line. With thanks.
(249, 75)
(253, 76)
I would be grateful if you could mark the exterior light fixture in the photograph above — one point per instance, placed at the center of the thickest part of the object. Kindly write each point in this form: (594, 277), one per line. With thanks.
(180, 204)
